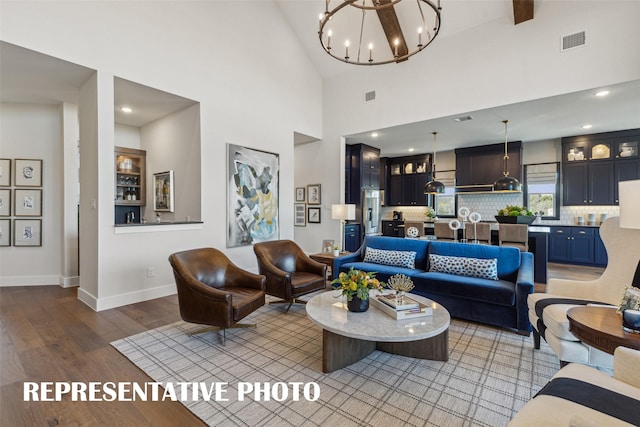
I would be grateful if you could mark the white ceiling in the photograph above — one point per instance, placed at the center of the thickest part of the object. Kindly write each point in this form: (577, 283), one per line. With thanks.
(536, 120)
(31, 77)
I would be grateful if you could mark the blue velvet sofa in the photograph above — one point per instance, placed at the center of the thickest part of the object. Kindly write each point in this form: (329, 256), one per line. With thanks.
(501, 302)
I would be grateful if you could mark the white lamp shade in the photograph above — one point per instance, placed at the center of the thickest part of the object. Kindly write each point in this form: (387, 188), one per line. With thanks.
(343, 212)
(629, 200)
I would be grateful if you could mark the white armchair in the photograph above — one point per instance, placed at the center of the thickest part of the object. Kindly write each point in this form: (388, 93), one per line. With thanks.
(618, 396)
(550, 322)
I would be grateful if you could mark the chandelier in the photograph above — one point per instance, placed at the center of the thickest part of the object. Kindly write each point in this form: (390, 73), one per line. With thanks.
(374, 32)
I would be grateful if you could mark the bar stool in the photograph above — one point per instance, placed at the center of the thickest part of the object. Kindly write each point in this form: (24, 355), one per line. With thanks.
(481, 233)
(515, 235)
(442, 231)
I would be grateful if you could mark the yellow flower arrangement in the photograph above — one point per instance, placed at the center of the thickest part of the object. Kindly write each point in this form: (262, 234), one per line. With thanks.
(357, 283)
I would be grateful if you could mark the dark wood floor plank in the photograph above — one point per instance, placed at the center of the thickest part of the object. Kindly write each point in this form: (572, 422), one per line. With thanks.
(14, 411)
(11, 369)
(47, 334)
(20, 331)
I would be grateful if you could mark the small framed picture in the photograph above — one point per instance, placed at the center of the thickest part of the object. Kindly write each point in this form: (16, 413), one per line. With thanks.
(28, 173)
(5, 172)
(299, 217)
(27, 202)
(5, 202)
(313, 194)
(300, 194)
(163, 191)
(27, 232)
(327, 246)
(313, 215)
(5, 232)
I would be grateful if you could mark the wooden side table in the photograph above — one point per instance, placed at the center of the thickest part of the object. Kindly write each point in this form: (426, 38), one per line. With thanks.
(601, 328)
(327, 259)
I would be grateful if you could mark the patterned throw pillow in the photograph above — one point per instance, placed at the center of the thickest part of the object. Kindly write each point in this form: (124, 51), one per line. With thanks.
(463, 266)
(395, 258)
(446, 264)
(482, 268)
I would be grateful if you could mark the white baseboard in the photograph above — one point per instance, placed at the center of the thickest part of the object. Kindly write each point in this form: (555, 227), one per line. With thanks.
(29, 281)
(99, 304)
(69, 282)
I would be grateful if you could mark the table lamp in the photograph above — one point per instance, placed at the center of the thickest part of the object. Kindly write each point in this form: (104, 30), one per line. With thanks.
(344, 213)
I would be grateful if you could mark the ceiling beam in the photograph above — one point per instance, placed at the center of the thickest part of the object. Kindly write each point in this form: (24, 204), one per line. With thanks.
(391, 26)
(522, 11)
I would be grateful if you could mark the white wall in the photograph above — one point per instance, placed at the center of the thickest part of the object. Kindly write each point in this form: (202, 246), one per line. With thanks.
(35, 132)
(127, 136)
(249, 94)
(173, 143)
(490, 65)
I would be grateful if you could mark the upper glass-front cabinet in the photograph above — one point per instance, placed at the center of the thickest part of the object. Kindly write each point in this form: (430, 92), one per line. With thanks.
(627, 149)
(579, 152)
(575, 154)
(601, 151)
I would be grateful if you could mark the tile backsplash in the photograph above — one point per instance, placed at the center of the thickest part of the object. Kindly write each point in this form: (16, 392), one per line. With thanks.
(487, 205)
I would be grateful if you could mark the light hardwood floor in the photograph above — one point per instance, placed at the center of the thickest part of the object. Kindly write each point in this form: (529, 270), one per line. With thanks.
(47, 334)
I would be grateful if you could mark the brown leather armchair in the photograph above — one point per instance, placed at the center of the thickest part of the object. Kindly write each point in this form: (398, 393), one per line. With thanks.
(289, 271)
(214, 291)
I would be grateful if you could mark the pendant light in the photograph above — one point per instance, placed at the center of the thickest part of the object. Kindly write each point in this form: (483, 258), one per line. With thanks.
(506, 183)
(433, 186)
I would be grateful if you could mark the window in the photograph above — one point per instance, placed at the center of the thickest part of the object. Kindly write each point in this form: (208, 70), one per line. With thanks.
(542, 189)
(445, 204)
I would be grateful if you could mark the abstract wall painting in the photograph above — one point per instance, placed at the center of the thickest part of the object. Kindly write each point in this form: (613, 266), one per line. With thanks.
(253, 196)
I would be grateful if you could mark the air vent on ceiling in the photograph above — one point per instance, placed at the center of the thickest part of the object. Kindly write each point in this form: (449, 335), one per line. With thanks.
(370, 96)
(462, 118)
(573, 41)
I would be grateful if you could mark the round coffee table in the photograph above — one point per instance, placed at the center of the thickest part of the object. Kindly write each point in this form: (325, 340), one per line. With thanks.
(601, 328)
(348, 337)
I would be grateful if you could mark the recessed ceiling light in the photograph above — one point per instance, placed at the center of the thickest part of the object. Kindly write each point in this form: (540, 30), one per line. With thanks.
(374, 134)
(126, 109)
(411, 150)
(462, 118)
(587, 126)
(602, 93)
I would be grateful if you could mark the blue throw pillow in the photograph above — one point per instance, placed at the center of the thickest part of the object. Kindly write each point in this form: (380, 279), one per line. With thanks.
(395, 258)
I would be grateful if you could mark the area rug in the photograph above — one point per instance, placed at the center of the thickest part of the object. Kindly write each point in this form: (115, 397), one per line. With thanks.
(491, 373)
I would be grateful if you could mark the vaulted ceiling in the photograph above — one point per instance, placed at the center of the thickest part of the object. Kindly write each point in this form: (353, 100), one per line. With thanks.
(534, 120)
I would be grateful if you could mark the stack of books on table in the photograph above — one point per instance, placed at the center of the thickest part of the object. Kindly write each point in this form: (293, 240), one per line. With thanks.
(409, 309)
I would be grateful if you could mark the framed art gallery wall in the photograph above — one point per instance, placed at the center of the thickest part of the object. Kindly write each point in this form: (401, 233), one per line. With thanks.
(21, 202)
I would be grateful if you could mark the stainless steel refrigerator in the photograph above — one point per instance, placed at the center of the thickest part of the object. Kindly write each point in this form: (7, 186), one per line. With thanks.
(371, 211)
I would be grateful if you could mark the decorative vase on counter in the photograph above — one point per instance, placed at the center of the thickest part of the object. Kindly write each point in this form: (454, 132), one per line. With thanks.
(357, 305)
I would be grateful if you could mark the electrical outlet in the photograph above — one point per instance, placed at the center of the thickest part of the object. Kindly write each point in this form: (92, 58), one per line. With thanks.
(150, 272)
